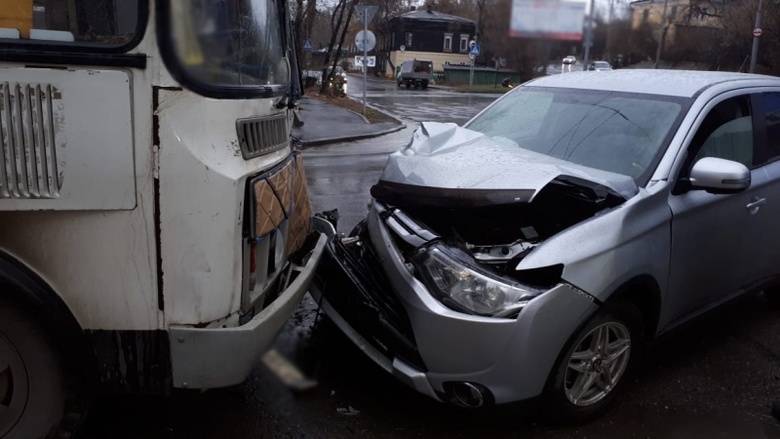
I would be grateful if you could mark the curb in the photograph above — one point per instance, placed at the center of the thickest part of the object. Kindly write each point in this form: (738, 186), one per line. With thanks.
(385, 112)
(327, 140)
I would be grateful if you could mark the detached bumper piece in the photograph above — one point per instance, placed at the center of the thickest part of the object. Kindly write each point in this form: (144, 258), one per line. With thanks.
(352, 281)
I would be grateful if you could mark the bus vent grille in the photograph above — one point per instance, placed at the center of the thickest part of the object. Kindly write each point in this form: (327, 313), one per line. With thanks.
(262, 135)
(28, 156)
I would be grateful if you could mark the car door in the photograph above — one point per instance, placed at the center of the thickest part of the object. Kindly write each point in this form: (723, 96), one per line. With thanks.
(713, 234)
(767, 253)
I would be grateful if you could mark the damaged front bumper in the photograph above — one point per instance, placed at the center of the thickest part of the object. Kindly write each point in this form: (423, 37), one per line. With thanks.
(206, 358)
(368, 290)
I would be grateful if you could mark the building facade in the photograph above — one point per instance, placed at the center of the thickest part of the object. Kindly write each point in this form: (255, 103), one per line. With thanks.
(684, 18)
(443, 39)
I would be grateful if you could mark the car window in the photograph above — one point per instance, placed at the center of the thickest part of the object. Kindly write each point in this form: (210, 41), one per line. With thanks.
(770, 110)
(726, 132)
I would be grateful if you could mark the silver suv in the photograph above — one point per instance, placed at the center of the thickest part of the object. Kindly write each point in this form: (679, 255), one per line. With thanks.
(534, 251)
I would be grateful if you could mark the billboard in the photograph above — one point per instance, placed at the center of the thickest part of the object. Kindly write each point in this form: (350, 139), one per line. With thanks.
(552, 19)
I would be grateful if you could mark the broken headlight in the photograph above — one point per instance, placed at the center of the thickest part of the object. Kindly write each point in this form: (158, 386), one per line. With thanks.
(461, 284)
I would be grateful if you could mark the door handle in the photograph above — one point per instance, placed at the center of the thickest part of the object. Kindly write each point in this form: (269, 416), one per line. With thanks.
(755, 204)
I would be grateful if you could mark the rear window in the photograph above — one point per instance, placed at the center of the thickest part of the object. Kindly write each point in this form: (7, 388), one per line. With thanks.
(99, 24)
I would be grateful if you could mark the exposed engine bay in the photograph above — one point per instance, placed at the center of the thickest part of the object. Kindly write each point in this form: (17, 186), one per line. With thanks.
(497, 227)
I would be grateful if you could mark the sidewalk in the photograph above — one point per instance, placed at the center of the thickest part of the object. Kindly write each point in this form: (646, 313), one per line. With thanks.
(327, 123)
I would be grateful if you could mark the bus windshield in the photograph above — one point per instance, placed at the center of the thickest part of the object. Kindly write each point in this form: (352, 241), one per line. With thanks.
(229, 43)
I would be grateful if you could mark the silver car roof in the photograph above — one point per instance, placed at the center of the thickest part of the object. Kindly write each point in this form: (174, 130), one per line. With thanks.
(682, 83)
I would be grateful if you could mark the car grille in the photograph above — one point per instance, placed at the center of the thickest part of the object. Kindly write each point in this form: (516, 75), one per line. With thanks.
(364, 298)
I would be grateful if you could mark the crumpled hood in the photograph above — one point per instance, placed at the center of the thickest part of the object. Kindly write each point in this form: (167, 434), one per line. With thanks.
(446, 156)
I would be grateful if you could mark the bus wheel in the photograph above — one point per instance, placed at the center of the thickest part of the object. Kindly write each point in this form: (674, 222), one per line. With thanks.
(35, 394)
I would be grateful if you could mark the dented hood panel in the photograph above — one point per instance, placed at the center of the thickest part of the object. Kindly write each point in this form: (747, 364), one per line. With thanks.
(444, 155)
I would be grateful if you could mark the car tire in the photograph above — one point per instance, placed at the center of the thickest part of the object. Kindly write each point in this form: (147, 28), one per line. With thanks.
(425, 85)
(408, 86)
(41, 399)
(583, 383)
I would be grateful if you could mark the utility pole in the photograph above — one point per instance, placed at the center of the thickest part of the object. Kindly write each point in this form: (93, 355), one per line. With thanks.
(588, 36)
(661, 36)
(609, 31)
(756, 36)
(365, 56)
(473, 58)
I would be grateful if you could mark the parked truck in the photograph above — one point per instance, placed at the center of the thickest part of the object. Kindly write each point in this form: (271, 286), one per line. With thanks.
(415, 73)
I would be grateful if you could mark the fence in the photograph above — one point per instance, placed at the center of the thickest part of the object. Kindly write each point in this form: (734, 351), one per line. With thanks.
(482, 75)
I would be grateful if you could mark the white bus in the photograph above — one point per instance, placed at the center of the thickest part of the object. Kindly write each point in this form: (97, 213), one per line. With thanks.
(155, 228)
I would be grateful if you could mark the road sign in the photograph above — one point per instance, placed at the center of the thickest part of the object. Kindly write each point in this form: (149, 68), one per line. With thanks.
(365, 41)
(371, 61)
(474, 51)
(757, 32)
(365, 12)
(308, 45)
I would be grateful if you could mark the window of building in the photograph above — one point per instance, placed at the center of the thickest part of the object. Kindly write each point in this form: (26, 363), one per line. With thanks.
(645, 15)
(674, 13)
(464, 43)
(448, 42)
(408, 40)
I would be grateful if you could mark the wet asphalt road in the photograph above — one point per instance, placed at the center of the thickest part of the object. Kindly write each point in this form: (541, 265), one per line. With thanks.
(715, 378)
(433, 104)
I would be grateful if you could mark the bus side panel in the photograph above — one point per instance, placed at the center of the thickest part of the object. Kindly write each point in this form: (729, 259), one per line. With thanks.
(67, 140)
(93, 241)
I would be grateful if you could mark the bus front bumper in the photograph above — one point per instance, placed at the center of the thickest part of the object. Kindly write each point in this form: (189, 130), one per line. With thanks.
(204, 358)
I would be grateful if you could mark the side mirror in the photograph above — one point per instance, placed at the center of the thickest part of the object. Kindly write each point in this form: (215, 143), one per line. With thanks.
(719, 176)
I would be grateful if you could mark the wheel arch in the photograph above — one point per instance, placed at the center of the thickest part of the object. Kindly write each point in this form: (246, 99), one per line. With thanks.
(643, 292)
(25, 289)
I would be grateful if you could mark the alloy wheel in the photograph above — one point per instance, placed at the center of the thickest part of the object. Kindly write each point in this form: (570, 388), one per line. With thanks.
(597, 364)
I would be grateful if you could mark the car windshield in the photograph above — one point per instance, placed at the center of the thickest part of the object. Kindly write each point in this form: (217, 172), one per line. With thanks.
(602, 65)
(615, 132)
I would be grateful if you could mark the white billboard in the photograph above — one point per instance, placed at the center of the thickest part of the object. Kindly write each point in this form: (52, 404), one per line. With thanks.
(551, 19)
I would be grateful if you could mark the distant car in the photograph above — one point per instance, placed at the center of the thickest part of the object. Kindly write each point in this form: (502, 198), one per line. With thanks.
(338, 80)
(415, 73)
(568, 63)
(599, 66)
(533, 251)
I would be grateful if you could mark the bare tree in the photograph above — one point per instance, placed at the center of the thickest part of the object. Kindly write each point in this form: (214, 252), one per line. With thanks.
(340, 20)
(304, 14)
